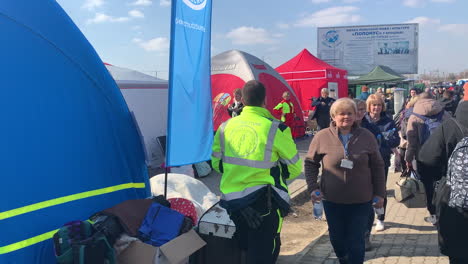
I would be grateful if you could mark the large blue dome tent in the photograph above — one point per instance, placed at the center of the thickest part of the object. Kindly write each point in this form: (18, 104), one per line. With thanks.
(68, 144)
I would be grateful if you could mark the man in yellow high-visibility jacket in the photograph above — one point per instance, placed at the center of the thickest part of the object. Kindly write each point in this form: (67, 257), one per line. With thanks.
(256, 154)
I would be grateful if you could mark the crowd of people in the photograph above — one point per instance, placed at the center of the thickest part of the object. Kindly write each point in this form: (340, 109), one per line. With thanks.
(346, 167)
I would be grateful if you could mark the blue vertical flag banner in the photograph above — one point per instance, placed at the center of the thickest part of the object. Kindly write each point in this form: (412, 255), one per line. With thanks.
(190, 122)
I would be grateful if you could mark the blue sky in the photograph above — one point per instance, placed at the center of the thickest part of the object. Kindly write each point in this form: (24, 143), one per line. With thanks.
(135, 33)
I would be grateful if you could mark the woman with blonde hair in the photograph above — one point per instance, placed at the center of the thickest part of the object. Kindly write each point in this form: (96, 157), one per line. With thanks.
(236, 107)
(390, 139)
(352, 177)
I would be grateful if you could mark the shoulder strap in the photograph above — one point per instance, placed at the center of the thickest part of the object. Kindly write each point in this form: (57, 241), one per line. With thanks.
(420, 116)
(463, 129)
(440, 115)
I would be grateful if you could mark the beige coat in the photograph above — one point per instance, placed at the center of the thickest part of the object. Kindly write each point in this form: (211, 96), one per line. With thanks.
(426, 107)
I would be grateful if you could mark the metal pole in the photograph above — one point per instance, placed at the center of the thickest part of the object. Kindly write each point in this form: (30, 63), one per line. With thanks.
(166, 170)
(165, 182)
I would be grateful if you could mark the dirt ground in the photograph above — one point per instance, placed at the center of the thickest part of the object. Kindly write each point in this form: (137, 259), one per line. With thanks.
(300, 228)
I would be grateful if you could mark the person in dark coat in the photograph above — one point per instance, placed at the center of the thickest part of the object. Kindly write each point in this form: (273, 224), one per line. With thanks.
(390, 139)
(389, 104)
(448, 102)
(322, 112)
(439, 93)
(434, 154)
(364, 123)
(412, 94)
(236, 107)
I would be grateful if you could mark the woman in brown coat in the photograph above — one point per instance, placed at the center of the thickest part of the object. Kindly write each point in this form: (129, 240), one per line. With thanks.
(352, 177)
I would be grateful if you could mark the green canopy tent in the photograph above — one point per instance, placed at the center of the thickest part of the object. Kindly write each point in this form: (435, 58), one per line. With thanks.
(380, 74)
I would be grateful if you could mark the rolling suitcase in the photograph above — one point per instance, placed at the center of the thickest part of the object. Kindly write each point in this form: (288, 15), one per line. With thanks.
(217, 229)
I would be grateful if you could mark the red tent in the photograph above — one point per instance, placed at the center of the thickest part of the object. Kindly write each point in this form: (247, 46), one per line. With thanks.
(307, 75)
(232, 69)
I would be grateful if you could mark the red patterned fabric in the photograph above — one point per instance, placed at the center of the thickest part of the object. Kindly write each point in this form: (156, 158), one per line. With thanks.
(184, 207)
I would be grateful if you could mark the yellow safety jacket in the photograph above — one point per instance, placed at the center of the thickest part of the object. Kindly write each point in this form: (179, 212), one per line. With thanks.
(286, 108)
(252, 151)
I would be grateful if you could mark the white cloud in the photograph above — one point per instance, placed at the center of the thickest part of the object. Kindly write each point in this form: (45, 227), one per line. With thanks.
(282, 25)
(142, 3)
(422, 3)
(435, 23)
(414, 3)
(332, 16)
(137, 40)
(320, 1)
(165, 2)
(249, 35)
(458, 29)
(137, 27)
(156, 44)
(92, 4)
(136, 13)
(102, 18)
(351, 1)
(424, 21)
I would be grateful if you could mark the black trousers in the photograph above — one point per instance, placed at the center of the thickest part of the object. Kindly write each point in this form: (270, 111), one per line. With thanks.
(262, 245)
(428, 182)
(402, 159)
(458, 260)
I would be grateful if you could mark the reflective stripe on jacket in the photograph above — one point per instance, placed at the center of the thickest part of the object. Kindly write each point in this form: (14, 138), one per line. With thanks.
(252, 151)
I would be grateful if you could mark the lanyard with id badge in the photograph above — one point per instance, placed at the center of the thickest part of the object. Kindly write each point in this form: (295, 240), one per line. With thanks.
(346, 163)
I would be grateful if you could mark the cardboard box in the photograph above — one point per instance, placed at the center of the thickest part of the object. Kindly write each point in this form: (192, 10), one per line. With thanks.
(176, 251)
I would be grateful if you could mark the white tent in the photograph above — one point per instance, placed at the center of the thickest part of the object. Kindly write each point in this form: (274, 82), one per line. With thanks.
(146, 97)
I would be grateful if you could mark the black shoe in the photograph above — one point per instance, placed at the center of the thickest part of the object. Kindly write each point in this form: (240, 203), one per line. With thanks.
(368, 244)
(343, 260)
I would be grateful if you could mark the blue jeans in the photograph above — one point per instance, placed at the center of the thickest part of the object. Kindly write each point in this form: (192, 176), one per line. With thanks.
(347, 225)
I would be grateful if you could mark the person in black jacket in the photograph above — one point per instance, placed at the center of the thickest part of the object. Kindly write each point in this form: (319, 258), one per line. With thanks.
(322, 112)
(364, 123)
(448, 102)
(434, 154)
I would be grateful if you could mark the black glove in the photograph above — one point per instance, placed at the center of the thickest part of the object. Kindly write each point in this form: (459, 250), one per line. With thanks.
(251, 217)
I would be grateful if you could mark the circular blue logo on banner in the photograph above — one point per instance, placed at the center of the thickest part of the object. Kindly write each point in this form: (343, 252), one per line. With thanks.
(196, 4)
(331, 38)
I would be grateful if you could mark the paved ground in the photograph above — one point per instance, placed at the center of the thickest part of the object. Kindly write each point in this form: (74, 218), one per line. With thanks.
(406, 240)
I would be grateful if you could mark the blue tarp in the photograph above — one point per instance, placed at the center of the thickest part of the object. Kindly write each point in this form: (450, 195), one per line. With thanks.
(66, 131)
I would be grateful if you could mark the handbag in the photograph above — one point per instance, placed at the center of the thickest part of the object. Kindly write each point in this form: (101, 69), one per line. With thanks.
(409, 190)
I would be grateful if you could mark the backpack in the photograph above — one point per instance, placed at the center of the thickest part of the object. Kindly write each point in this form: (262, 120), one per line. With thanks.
(457, 177)
(430, 124)
(78, 242)
(160, 225)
